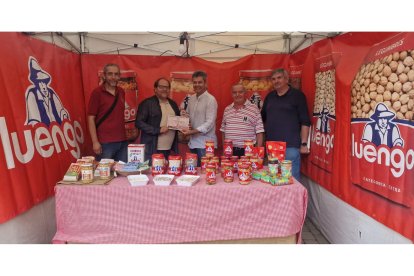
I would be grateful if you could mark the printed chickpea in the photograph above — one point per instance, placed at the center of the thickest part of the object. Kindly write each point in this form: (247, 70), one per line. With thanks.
(389, 80)
(325, 91)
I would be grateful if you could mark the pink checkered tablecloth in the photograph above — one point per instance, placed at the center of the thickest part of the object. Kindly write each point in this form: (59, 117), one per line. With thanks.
(119, 213)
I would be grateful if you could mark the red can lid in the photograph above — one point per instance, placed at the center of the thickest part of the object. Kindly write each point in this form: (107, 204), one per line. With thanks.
(174, 157)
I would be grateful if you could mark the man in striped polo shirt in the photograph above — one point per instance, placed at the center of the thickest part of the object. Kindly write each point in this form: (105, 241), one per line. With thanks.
(242, 121)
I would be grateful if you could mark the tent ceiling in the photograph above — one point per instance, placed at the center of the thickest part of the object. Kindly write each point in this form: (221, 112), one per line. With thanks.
(214, 46)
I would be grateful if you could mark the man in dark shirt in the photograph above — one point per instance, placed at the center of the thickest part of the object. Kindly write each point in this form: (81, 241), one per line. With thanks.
(152, 117)
(285, 117)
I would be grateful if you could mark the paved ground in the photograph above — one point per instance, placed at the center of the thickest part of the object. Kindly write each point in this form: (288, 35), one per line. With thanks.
(311, 234)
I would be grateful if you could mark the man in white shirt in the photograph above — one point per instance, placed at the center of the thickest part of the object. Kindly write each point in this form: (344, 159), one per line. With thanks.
(242, 121)
(202, 110)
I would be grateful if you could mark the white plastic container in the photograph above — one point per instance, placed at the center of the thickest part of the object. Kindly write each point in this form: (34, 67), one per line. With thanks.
(163, 179)
(138, 180)
(187, 180)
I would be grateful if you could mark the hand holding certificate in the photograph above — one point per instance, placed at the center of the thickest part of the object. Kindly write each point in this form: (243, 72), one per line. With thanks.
(178, 122)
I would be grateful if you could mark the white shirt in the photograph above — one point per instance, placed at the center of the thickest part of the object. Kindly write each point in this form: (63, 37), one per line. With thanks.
(203, 114)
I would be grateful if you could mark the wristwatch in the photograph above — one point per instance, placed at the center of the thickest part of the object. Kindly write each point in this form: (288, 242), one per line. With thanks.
(304, 144)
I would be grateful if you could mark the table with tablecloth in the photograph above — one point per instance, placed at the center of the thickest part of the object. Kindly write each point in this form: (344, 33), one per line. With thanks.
(120, 213)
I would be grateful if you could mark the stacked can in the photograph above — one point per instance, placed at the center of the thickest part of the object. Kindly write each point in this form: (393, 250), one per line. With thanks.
(216, 161)
(204, 161)
(223, 158)
(255, 163)
(245, 173)
(209, 146)
(228, 148)
(248, 147)
(235, 160)
(211, 173)
(227, 171)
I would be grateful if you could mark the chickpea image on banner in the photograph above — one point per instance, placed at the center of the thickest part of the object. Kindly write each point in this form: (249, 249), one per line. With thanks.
(323, 119)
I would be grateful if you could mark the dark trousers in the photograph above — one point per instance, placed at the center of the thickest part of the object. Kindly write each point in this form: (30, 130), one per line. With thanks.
(166, 153)
(238, 151)
(200, 153)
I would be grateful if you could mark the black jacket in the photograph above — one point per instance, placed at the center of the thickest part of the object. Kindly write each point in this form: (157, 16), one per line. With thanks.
(148, 121)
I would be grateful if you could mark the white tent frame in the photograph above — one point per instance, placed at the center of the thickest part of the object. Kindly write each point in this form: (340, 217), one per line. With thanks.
(213, 46)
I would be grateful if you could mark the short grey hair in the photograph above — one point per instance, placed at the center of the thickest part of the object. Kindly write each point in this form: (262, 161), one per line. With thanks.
(105, 69)
(281, 71)
(238, 84)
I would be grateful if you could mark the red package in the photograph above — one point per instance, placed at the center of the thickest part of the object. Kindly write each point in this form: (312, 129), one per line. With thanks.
(276, 149)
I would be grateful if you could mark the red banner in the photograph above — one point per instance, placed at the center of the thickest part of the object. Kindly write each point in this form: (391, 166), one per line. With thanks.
(324, 116)
(42, 120)
(371, 176)
(382, 127)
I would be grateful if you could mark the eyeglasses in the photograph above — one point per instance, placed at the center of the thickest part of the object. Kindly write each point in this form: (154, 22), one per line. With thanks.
(163, 87)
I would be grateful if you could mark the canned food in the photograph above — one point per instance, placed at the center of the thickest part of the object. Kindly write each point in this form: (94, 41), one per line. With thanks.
(227, 171)
(273, 166)
(191, 163)
(244, 158)
(286, 168)
(87, 173)
(89, 159)
(211, 173)
(235, 159)
(222, 160)
(255, 163)
(204, 161)
(209, 145)
(174, 164)
(104, 170)
(216, 161)
(245, 174)
(228, 148)
(158, 164)
(248, 147)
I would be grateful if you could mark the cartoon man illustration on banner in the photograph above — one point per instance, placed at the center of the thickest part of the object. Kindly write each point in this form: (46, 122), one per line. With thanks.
(322, 124)
(256, 99)
(43, 105)
(184, 103)
(382, 131)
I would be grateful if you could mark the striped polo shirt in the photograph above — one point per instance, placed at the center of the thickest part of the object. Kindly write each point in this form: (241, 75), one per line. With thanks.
(241, 124)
